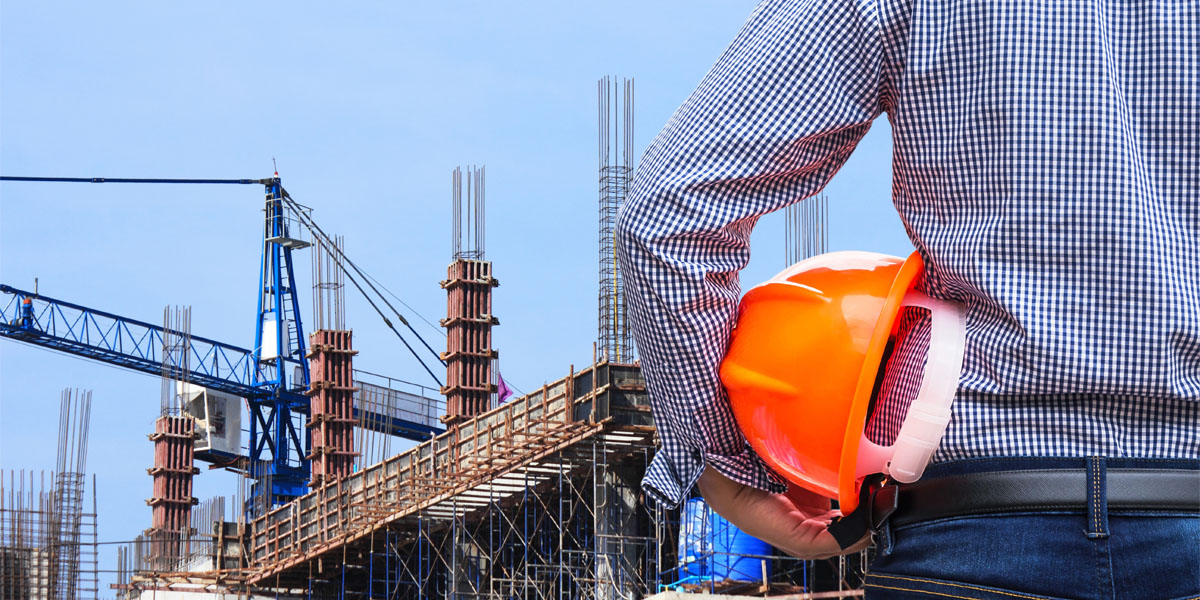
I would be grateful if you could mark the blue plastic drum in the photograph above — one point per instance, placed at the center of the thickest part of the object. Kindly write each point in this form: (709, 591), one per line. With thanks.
(712, 548)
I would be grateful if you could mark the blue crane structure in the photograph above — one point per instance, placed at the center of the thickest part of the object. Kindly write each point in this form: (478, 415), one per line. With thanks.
(273, 377)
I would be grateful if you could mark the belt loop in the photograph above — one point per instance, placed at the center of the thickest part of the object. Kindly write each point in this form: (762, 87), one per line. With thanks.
(1097, 513)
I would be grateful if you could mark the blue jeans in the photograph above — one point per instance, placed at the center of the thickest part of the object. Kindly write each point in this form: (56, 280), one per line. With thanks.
(1034, 556)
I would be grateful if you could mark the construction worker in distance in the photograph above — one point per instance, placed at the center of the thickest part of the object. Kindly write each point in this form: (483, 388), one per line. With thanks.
(1046, 167)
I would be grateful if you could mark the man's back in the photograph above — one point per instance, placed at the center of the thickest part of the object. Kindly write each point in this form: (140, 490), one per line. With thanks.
(1047, 167)
(1047, 158)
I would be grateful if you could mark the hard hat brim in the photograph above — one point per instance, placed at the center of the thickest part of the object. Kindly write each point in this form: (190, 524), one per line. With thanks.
(848, 482)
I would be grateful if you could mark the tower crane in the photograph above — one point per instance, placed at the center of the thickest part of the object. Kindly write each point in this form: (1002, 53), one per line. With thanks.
(273, 377)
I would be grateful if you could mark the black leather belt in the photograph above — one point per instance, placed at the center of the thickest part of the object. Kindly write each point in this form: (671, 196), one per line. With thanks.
(1174, 490)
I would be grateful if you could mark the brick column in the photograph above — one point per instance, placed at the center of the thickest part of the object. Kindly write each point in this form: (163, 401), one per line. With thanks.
(171, 505)
(469, 352)
(331, 416)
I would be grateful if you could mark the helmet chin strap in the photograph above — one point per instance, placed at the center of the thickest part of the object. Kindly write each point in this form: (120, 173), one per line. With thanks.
(929, 414)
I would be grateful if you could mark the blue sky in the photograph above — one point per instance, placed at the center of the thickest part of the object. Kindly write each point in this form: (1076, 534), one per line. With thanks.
(367, 108)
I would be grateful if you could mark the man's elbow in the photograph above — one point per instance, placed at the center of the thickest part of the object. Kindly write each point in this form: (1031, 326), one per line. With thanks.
(634, 217)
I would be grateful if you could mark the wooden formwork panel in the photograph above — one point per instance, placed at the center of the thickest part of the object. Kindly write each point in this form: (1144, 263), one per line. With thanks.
(172, 473)
(331, 405)
(468, 326)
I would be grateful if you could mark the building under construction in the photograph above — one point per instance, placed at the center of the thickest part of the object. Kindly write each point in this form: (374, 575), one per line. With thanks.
(48, 547)
(535, 496)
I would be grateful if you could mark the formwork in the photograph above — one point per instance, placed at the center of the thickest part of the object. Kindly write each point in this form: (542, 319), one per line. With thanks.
(172, 473)
(469, 352)
(331, 410)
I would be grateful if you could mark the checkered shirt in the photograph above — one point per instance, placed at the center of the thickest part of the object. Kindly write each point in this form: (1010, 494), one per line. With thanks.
(1047, 167)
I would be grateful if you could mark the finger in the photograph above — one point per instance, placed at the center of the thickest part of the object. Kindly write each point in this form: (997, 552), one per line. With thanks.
(812, 541)
(809, 539)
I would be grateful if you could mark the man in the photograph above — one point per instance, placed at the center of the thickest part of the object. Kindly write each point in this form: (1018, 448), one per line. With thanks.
(1047, 168)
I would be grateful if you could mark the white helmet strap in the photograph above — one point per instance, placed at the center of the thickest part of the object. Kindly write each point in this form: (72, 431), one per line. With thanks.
(927, 417)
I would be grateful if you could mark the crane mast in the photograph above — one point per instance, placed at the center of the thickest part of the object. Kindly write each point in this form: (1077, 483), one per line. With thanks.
(277, 462)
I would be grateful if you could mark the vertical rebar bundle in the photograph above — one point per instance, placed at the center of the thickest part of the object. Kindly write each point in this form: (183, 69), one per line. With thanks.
(616, 173)
(174, 443)
(467, 219)
(329, 286)
(205, 546)
(47, 540)
(469, 319)
(331, 405)
(176, 359)
(38, 559)
(74, 418)
(806, 229)
(331, 389)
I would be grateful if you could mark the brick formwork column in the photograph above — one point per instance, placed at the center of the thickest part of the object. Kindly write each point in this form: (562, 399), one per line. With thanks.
(469, 352)
(331, 403)
(171, 505)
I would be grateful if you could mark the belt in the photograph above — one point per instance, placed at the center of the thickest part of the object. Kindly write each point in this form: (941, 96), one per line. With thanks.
(1145, 490)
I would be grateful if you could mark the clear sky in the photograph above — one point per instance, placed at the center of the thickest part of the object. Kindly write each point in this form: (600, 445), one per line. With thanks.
(367, 107)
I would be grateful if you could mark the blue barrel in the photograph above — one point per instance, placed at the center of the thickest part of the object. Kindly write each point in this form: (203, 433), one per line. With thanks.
(695, 559)
(737, 556)
(711, 547)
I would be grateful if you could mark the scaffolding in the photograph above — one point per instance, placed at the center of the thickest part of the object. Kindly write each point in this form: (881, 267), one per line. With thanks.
(616, 172)
(211, 546)
(492, 459)
(47, 539)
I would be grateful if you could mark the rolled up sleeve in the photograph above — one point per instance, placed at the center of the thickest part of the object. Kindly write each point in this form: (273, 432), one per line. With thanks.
(769, 125)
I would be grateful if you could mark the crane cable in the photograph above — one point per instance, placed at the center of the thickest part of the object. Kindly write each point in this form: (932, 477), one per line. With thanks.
(326, 245)
(312, 225)
(341, 258)
(304, 219)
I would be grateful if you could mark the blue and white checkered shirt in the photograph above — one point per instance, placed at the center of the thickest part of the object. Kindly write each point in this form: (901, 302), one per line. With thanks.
(1046, 166)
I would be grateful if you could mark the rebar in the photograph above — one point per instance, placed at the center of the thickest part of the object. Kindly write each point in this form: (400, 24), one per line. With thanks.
(176, 358)
(616, 160)
(468, 230)
(47, 540)
(469, 357)
(806, 229)
(329, 286)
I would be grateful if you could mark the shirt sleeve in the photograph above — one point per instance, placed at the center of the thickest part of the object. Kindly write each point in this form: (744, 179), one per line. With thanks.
(769, 125)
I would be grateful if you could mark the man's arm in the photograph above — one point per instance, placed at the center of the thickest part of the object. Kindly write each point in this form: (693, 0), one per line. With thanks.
(796, 522)
(772, 121)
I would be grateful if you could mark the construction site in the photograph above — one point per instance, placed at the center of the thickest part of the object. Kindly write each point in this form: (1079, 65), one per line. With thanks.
(533, 495)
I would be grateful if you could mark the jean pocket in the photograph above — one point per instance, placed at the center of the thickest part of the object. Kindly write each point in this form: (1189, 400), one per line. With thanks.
(899, 587)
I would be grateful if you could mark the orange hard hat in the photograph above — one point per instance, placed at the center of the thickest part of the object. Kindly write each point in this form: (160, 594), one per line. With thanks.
(802, 366)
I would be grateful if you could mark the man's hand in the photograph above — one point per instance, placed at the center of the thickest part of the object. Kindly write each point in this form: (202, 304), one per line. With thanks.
(795, 522)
